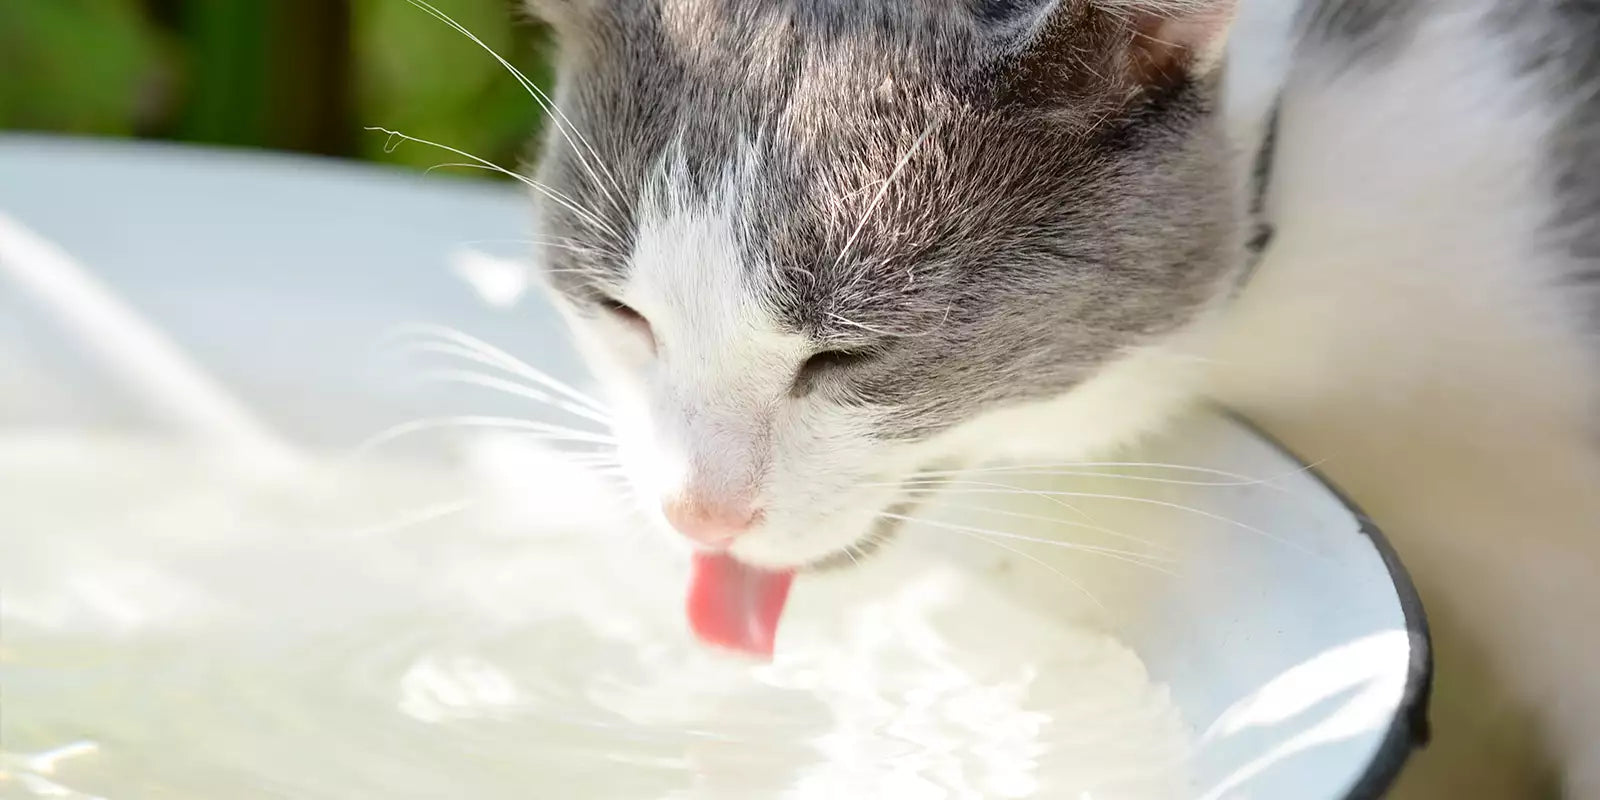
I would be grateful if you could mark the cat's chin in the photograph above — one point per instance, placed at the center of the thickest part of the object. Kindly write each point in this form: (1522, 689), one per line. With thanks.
(877, 533)
(879, 536)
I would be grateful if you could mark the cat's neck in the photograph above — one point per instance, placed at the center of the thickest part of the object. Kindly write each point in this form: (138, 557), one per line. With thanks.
(1259, 54)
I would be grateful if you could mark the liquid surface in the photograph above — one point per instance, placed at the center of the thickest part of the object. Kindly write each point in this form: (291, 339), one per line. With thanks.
(382, 629)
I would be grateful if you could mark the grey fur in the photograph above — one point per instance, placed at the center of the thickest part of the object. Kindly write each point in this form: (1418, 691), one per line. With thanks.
(1057, 208)
(1360, 29)
(1559, 43)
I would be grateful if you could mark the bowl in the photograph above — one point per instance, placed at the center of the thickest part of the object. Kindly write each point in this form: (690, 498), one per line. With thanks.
(238, 566)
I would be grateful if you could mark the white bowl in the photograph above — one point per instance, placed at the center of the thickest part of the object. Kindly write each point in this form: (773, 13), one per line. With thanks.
(238, 297)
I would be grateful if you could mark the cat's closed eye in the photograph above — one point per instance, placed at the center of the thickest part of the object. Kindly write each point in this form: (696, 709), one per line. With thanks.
(824, 363)
(627, 315)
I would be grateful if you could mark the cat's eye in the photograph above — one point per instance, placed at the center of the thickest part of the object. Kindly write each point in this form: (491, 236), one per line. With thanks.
(824, 363)
(622, 310)
(628, 315)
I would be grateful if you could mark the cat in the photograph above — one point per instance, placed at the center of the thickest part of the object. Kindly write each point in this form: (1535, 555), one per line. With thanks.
(812, 247)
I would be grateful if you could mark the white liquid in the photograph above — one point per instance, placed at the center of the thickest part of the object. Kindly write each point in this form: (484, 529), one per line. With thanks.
(392, 631)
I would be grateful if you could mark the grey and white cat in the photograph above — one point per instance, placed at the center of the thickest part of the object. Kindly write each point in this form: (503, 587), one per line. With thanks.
(813, 246)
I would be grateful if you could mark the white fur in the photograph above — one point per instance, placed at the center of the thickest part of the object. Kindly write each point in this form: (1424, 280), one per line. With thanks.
(710, 412)
(1408, 332)
(1130, 397)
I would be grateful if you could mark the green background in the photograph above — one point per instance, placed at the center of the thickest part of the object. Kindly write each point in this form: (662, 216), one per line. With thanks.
(296, 75)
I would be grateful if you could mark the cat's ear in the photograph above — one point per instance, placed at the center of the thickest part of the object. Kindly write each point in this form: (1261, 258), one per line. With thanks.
(561, 15)
(1188, 35)
(1114, 45)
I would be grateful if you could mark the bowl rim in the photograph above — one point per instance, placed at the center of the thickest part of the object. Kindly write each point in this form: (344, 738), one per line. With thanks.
(1409, 729)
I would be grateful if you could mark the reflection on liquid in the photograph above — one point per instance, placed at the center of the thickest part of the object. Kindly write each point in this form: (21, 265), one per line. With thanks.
(190, 635)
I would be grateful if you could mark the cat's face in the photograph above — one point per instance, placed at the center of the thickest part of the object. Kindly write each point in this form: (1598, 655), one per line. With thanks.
(814, 247)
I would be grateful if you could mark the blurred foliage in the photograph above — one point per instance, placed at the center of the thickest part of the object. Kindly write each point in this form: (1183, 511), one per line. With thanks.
(301, 75)
(83, 66)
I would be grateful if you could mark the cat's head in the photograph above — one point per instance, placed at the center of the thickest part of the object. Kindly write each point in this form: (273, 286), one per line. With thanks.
(813, 246)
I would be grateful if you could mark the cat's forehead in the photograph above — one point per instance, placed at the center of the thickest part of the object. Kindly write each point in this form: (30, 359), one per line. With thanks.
(781, 116)
(882, 229)
(709, 29)
(875, 176)
(776, 53)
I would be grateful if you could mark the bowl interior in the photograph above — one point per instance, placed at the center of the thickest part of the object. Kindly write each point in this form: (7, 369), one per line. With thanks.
(1285, 634)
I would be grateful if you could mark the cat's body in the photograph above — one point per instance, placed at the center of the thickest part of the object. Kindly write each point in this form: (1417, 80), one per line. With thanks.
(841, 241)
(1427, 323)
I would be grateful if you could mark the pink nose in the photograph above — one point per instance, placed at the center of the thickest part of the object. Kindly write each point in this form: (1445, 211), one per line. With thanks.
(710, 523)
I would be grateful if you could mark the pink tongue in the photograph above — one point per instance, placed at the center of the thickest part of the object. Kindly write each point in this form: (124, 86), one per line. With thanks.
(735, 605)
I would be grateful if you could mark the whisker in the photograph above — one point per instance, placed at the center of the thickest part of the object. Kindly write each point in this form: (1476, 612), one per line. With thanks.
(1154, 502)
(1072, 473)
(1245, 479)
(600, 468)
(899, 166)
(546, 431)
(566, 202)
(935, 483)
(574, 271)
(512, 388)
(415, 517)
(563, 125)
(467, 354)
(559, 242)
(1041, 562)
(937, 502)
(489, 355)
(897, 334)
(1127, 556)
(485, 164)
(588, 456)
(850, 553)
